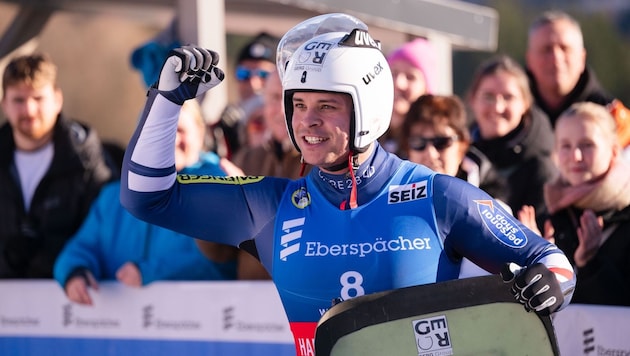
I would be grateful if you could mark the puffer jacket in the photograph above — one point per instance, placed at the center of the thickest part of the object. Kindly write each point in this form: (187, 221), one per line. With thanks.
(522, 160)
(30, 241)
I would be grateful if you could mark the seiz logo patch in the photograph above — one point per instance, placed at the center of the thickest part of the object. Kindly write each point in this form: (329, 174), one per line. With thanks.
(406, 193)
(500, 224)
(301, 198)
(289, 240)
(432, 336)
(196, 178)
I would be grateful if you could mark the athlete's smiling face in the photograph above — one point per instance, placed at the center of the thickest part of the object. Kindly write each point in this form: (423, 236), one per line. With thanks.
(321, 125)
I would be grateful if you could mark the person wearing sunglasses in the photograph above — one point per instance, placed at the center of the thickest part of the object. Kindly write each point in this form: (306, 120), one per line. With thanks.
(254, 63)
(244, 74)
(515, 136)
(436, 134)
(413, 70)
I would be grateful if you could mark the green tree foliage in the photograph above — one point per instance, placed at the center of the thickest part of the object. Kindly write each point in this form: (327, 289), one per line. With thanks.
(608, 53)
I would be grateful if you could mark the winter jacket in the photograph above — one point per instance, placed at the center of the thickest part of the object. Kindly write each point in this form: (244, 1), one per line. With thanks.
(31, 240)
(587, 88)
(111, 236)
(523, 160)
(477, 170)
(605, 279)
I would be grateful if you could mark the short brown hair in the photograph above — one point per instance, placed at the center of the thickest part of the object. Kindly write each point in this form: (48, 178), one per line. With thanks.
(553, 16)
(437, 110)
(33, 69)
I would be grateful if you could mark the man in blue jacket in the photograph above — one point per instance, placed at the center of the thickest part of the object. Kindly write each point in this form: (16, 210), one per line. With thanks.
(112, 244)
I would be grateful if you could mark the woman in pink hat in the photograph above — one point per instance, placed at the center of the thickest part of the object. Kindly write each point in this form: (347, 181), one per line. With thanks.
(413, 68)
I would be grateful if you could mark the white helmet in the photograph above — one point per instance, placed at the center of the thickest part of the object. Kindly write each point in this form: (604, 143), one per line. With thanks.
(349, 63)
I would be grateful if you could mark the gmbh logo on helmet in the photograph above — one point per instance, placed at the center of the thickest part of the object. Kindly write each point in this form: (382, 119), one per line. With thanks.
(314, 53)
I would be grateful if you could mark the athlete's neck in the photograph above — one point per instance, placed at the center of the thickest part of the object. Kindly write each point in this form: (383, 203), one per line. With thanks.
(340, 179)
(343, 166)
(372, 174)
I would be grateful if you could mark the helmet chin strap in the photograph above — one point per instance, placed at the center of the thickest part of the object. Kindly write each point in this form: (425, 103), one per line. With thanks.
(302, 166)
(336, 167)
(353, 165)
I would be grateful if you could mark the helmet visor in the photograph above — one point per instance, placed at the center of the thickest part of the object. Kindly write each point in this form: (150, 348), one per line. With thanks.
(318, 25)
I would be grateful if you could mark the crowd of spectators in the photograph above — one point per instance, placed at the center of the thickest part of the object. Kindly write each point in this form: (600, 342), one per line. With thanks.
(555, 162)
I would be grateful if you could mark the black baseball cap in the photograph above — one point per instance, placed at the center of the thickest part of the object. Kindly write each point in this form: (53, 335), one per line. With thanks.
(262, 47)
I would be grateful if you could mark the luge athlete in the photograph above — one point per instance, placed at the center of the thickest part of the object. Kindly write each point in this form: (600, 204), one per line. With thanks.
(362, 220)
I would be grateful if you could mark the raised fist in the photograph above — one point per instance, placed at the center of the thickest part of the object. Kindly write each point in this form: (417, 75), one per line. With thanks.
(536, 287)
(188, 72)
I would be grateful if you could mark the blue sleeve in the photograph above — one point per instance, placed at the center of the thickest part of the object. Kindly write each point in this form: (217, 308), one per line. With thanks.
(83, 248)
(176, 257)
(227, 210)
(173, 256)
(475, 226)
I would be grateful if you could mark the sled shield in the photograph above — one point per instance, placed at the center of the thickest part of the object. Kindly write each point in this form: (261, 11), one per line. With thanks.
(473, 316)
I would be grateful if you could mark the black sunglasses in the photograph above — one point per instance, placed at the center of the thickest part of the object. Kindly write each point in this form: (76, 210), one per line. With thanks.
(243, 73)
(439, 142)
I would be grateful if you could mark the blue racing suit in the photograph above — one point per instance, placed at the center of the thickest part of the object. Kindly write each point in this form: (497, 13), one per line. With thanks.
(412, 226)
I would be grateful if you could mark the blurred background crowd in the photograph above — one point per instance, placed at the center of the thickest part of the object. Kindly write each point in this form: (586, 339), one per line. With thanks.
(493, 118)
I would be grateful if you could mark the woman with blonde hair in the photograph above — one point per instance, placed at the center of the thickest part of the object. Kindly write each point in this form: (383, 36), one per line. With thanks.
(589, 204)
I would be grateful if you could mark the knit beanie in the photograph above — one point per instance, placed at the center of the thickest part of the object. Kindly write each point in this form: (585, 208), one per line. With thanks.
(421, 54)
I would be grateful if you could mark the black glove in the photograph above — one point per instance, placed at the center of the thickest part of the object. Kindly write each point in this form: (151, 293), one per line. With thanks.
(536, 287)
(188, 72)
